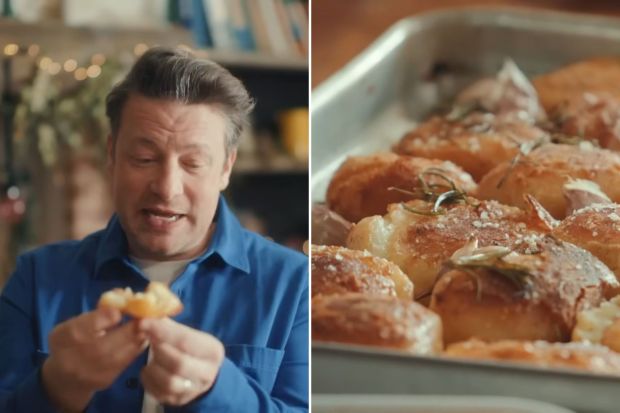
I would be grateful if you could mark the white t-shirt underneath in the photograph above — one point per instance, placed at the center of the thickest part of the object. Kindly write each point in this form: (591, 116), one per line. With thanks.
(165, 272)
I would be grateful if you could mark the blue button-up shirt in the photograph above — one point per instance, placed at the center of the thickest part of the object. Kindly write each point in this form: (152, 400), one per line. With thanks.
(250, 293)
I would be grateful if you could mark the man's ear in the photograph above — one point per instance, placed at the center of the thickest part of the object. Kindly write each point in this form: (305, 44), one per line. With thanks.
(228, 165)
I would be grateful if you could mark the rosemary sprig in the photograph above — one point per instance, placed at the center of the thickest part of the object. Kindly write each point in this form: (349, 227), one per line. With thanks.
(527, 147)
(492, 259)
(575, 140)
(438, 172)
(429, 213)
(437, 193)
(452, 196)
(524, 149)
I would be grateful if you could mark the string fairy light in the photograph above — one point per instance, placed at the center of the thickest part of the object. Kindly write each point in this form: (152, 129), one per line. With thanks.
(70, 65)
(33, 50)
(11, 49)
(98, 59)
(80, 74)
(93, 71)
(54, 68)
(45, 62)
(139, 49)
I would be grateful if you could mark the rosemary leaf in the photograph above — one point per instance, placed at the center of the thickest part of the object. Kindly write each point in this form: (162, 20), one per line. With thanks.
(437, 193)
(421, 212)
(450, 196)
(491, 259)
(524, 149)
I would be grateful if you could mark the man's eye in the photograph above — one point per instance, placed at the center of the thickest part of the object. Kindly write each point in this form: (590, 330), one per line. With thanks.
(194, 164)
(143, 161)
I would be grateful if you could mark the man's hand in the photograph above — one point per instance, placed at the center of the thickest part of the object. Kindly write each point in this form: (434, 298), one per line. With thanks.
(87, 353)
(184, 364)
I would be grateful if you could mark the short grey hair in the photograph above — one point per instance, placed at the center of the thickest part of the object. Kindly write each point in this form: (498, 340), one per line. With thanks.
(168, 73)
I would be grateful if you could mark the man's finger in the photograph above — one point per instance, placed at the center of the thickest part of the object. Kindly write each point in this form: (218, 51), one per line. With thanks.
(193, 342)
(163, 386)
(98, 320)
(88, 325)
(178, 363)
(122, 345)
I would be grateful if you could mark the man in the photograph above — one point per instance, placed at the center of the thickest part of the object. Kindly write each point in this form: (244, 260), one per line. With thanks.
(241, 343)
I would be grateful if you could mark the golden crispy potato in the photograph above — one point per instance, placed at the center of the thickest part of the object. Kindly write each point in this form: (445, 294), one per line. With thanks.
(591, 358)
(595, 228)
(157, 301)
(544, 171)
(419, 244)
(376, 320)
(520, 296)
(337, 270)
(591, 117)
(360, 187)
(477, 143)
(611, 336)
(600, 325)
(598, 75)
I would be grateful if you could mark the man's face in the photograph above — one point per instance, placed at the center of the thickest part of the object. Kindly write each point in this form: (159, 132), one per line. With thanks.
(168, 167)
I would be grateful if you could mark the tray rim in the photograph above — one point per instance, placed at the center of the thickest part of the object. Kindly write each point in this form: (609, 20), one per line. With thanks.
(351, 350)
(354, 69)
(338, 400)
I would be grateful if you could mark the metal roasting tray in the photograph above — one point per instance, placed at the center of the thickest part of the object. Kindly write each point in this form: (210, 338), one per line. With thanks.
(412, 69)
(428, 404)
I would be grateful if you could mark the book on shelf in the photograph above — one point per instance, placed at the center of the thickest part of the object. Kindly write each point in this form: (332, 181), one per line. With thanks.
(299, 23)
(185, 12)
(240, 25)
(275, 27)
(218, 20)
(275, 32)
(258, 27)
(200, 27)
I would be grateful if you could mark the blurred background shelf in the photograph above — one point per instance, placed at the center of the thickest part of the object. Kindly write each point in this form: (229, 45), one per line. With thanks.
(279, 165)
(63, 41)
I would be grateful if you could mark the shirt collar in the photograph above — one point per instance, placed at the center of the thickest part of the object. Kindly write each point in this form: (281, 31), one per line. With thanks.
(228, 242)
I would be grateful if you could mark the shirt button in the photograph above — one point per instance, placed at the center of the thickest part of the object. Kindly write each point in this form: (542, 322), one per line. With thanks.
(132, 383)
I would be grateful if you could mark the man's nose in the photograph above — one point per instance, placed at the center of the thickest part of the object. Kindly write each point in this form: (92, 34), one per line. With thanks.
(168, 182)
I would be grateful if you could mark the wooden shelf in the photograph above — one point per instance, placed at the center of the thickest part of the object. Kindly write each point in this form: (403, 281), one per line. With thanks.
(62, 42)
(277, 165)
(254, 60)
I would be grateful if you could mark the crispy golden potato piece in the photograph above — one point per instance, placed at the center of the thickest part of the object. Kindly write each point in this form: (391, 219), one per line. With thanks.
(494, 294)
(600, 325)
(590, 117)
(361, 186)
(544, 171)
(156, 302)
(419, 243)
(595, 228)
(376, 320)
(337, 270)
(477, 143)
(598, 75)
